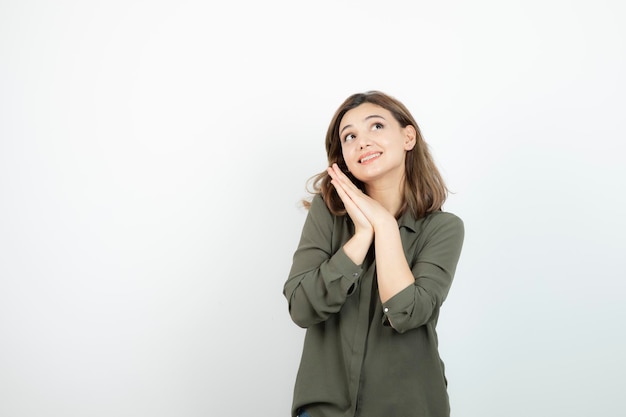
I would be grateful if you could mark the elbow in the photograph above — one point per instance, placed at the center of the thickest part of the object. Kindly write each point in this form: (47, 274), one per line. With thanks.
(418, 313)
(300, 320)
(304, 317)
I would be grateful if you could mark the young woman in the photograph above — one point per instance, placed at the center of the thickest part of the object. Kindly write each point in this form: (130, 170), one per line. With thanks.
(374, 264)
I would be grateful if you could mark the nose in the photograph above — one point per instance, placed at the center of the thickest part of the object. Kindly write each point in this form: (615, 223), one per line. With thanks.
(364, 141)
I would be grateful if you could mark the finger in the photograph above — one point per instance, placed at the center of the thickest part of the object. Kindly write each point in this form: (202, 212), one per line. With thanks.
(336, 173)
(341, 191)
(331, 171)
(349, 188)
(345, 180)
(341, 179)
(348, 203)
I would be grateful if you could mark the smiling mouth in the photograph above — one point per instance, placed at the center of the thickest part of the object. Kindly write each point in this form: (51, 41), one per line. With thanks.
(369, 157)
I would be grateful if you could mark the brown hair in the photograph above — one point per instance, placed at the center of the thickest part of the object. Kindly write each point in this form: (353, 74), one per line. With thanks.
(424, 188)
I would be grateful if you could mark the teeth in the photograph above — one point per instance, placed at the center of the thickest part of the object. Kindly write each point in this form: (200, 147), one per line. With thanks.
(372, 156)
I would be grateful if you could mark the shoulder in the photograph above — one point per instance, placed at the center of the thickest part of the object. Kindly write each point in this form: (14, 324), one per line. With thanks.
(317, 204)
(443, 223)
(318, 210)
(444, 218)
(432, 220)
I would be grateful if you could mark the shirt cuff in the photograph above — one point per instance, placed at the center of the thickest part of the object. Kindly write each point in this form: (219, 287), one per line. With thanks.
(349, 271)
(398, 306)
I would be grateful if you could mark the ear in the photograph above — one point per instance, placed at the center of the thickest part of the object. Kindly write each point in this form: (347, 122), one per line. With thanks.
(410, 137)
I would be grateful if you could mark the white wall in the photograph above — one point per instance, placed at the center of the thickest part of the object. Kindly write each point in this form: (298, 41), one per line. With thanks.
(153, 153)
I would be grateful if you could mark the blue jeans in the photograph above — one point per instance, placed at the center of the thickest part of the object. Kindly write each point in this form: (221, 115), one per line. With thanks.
(303, 413)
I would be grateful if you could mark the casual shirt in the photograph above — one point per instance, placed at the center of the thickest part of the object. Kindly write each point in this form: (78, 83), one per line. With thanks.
(363, 358)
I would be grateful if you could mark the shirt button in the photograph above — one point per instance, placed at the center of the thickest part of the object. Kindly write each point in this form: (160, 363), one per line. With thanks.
(356, 274)
(386, 309)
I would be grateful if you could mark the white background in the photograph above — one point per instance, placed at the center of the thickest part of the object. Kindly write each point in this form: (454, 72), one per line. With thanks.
(152, 159)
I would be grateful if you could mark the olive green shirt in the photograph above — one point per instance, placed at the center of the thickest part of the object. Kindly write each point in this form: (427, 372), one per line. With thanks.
(354, 363)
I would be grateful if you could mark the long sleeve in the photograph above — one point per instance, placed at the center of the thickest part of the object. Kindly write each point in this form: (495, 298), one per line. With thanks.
(438, 252)
(322, 276)
(351, 356)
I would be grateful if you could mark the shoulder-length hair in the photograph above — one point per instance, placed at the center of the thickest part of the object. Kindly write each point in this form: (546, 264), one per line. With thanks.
(424, 188)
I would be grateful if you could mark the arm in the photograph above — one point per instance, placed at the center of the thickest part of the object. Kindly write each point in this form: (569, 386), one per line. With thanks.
(377, 223)
(392, 269)
(319, 281)
(433, 272)
(411, 296)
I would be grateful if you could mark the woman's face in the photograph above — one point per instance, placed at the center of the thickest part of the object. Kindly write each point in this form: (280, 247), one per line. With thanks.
(374, 144)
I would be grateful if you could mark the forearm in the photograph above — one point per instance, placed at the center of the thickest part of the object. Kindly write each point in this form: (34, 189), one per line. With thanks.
(392, 269)
(432, 268)
(315, 294)
(357, 247)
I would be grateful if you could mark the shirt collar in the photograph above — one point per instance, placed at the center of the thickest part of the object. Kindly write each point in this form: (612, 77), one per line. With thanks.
(407, 220)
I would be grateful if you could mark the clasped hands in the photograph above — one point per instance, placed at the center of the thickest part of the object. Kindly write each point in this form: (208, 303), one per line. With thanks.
(366, 213)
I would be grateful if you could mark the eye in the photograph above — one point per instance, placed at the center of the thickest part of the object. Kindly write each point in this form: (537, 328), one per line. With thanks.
(348, 137)
(377, 126)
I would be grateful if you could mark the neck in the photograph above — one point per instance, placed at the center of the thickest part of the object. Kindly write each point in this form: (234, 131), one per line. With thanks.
(390, 196)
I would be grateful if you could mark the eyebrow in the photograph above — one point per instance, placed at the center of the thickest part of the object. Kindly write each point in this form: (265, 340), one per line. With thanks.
(371, 116)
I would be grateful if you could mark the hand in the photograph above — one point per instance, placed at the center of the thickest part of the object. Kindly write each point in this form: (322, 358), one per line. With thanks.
(345, 190)
(361, 207)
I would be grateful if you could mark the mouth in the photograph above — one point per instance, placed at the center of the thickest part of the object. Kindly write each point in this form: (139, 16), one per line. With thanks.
(369, 157)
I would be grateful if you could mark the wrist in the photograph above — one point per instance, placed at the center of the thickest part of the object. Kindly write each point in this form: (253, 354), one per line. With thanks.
(364, 235)
(385, 223)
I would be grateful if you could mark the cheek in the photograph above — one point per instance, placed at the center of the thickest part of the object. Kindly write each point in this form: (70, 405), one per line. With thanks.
(346, 158)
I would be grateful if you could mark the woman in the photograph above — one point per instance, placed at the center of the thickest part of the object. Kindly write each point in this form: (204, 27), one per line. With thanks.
(374, 264)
